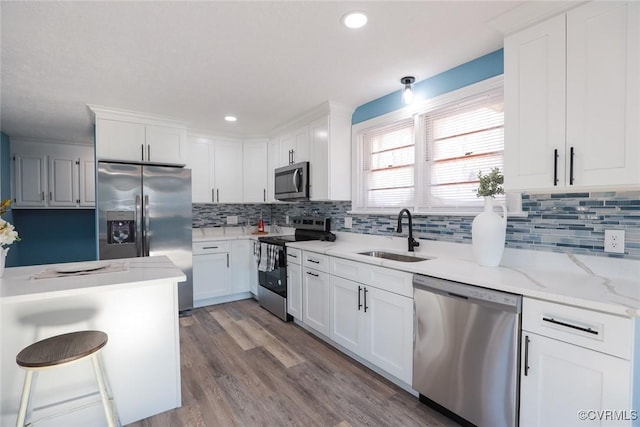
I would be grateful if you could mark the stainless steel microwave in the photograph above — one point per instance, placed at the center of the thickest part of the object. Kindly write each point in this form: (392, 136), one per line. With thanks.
(292, 182)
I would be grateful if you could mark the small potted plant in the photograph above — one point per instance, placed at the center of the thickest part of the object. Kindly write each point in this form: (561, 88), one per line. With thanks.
(488, 229)
(490, 184)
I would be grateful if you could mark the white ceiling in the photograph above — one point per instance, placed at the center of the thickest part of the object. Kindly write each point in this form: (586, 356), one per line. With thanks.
(265, 62)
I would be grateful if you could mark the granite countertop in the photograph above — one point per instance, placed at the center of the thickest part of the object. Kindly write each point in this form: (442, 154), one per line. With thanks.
(19, 284)
(600, 283)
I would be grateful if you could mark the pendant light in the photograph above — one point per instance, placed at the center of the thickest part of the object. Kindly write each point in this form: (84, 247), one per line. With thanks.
(407, 94)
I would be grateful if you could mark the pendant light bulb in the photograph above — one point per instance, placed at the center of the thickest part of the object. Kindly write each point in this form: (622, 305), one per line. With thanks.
(407, 94)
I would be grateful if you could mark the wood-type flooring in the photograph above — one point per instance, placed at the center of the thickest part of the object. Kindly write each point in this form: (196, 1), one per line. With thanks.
(242, 366)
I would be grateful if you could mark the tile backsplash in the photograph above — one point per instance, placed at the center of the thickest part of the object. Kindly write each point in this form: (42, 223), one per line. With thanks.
(567, 222)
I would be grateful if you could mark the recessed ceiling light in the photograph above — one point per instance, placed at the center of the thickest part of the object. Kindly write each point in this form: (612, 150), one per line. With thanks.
(354, 20)
(230, 118)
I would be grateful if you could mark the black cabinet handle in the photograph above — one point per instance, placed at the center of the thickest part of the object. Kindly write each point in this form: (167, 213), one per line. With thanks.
(555, 167)
(359, 303)
(148, 153)
(526, 355)
(312, 274)
(569, 325)
(142, 151)
(365, 300)
(313, 261)
(210, 247)
(264, 195)
(218, 195)
(572, 154)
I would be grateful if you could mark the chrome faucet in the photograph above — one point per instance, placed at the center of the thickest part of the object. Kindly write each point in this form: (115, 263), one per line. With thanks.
(412, 242)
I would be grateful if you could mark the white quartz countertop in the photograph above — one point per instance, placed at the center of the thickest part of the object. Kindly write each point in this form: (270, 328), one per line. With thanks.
(19, 284)
(207, 234)
(605, 284)
(600, 283)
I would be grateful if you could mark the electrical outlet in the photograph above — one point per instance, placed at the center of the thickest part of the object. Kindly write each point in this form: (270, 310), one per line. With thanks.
(348, 222)
(614, 241)
(232, 220)
(286, 219)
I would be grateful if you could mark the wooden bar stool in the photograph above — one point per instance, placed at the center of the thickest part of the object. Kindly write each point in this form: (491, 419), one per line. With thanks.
(62, 350)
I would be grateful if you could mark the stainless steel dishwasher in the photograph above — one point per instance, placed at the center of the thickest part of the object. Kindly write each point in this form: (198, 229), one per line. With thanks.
(466, 351)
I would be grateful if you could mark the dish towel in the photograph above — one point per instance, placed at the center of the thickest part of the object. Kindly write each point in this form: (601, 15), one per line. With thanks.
(268, 257)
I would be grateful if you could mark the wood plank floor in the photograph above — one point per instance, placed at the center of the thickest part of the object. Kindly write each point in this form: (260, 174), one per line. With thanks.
(242, 366)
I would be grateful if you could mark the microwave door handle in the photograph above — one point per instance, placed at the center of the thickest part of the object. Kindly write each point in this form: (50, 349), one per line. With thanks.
(296, 173)
(138, 222)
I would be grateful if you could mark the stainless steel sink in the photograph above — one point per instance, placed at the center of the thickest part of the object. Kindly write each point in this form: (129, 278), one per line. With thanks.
(394, 256)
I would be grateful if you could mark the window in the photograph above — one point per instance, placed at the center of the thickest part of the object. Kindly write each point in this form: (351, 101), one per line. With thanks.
(460, 141)
(388, 166)
(428, 159)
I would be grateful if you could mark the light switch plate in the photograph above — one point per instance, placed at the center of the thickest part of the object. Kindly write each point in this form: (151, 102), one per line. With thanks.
(348, 222)
(614, 241)
(232, 220)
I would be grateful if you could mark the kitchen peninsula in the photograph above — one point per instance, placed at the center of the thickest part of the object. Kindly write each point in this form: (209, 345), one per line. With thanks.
(135, 301)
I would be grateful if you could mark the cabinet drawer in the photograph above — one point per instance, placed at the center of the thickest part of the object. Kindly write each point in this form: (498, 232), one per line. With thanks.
(211, 247)
(316, 261)
(387, 279)
(602, 332)
(294, 256)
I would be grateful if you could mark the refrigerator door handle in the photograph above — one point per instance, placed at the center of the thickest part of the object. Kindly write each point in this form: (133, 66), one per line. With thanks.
(146, 225)
(138, 218)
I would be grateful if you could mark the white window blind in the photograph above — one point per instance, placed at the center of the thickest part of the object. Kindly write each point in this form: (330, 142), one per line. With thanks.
(388, 166)
(461, 140)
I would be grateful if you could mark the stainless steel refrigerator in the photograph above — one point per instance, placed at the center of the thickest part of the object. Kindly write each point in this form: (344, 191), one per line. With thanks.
(145, 210)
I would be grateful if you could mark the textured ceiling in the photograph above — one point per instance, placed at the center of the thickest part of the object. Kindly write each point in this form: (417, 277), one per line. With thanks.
(266, 62)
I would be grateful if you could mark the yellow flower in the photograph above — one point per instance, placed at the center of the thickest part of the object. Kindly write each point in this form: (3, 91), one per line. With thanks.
(4, 206)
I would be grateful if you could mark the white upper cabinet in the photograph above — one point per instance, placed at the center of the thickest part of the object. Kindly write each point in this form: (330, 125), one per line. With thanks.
(216, 170)
(29, 180)
(572, 100)
(330, 150)
(52, 175)
(323, 138)
(294, 147)
(200, 161)
(134, 137)
(227, 171)
(255, 160)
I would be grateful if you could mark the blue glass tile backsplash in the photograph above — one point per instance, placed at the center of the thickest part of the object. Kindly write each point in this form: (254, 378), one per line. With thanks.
(560, 222)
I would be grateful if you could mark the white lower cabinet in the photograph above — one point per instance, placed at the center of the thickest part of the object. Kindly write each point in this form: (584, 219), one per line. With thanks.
(241, 264)
(374, 323)
(563, 379)
(210, 277)
(315, 293)
(294, 283)
(567, 378)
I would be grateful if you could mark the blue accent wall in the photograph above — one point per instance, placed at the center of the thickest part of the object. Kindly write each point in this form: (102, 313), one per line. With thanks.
(55, 235)
(47, 235)
(479, 69)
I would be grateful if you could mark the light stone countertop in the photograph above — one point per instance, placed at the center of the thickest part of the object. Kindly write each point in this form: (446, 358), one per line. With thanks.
(17, 285)
(605, 284)
(209, 234)
(610, 285)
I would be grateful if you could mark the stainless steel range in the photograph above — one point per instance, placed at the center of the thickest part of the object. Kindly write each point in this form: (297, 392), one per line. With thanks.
(272, 267)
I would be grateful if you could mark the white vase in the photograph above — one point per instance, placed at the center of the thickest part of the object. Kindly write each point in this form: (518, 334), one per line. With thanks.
(488, 233)
(3, 255)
